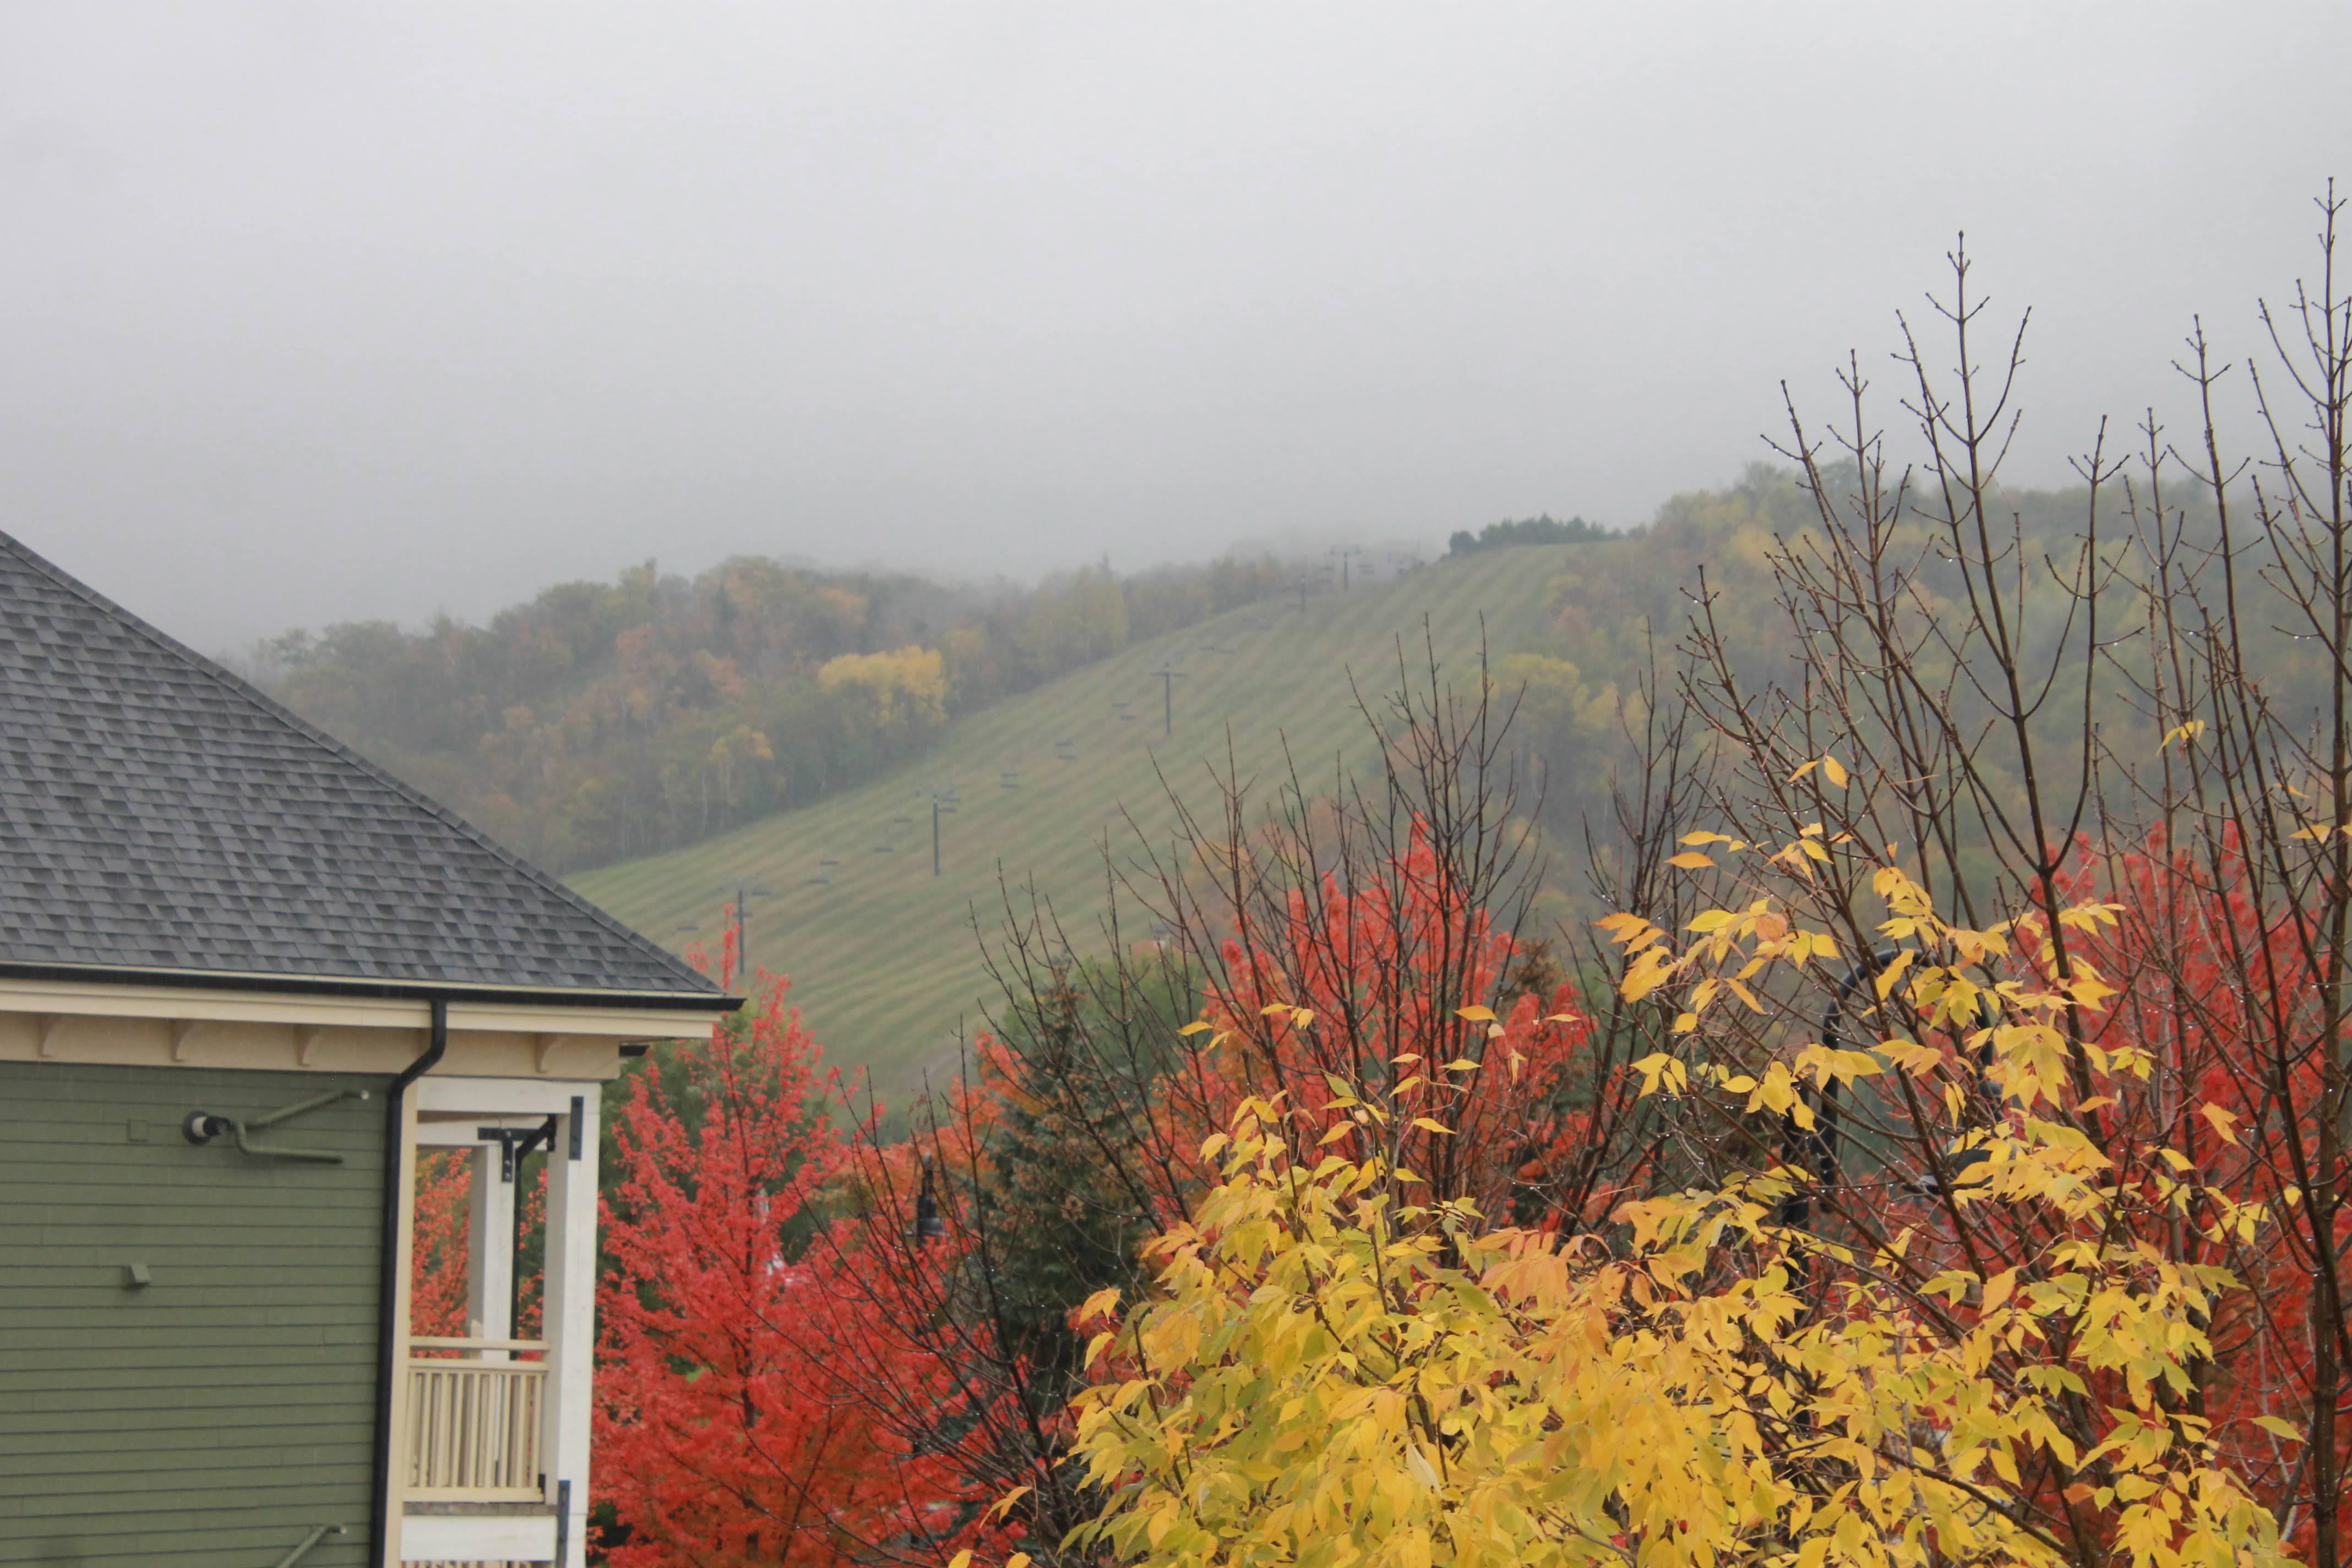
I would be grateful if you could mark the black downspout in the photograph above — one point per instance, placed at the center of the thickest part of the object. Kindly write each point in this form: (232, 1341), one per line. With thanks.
(387, 1329)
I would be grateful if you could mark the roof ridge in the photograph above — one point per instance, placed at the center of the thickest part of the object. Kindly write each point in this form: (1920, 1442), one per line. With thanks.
(246, 690)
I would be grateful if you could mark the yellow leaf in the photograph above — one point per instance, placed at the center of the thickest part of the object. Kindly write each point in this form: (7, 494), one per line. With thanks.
(1834, 771)
(1336, 1133)
(1461, 1064)
(1418, 1463)
(1475, 1014)
(2224, 1124)
(1892, 972)
(1997, 1289)
(1691, 860)
(1101, 1301)
(960, 1560)
(2277, 1428)
(1096, 1346)
(1195, 1027)
(1426, 1125)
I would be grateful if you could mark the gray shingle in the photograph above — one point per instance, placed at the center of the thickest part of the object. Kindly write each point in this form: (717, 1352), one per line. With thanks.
(156, 812)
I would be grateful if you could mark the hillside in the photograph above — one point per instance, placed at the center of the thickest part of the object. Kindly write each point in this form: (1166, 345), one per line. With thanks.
(600, 721)
(884, 958)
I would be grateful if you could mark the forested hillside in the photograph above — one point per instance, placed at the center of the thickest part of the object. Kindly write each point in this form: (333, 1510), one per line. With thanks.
(884, 954)
(603, 720)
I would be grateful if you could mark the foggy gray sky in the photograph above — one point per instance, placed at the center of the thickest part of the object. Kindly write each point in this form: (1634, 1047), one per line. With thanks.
(310, 313)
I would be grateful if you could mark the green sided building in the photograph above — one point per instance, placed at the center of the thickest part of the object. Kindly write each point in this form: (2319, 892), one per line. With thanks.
(244, 977)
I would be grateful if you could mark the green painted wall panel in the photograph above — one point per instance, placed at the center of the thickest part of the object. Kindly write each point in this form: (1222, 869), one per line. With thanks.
(213, 1417)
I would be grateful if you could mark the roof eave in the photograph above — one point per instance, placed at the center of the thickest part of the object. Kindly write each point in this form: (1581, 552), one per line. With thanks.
(712, 1002)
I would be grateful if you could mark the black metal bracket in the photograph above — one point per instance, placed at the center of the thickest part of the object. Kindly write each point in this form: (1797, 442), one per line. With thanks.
(514, 1143)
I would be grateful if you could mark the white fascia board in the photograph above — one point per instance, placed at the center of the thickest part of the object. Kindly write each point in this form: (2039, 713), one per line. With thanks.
(98, 998)
(493, 1097)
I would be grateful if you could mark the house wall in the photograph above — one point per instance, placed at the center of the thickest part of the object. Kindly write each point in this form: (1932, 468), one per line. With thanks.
(215, 1415)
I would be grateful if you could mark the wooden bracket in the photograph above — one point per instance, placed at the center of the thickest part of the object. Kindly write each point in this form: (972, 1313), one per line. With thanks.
(181, 1029)
(45, 1028)
(306, 1041)
(546, 1044)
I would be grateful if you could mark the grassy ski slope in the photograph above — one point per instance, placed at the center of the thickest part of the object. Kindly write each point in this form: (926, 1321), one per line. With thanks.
(884, 959)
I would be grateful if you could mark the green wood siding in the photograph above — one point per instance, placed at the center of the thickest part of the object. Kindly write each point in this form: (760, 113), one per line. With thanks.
(211, 1418)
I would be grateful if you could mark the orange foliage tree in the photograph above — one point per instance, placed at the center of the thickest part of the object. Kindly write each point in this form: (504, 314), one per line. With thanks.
(437, 1269)
(2185, 939)
(752, 1346)
(1502, 1129)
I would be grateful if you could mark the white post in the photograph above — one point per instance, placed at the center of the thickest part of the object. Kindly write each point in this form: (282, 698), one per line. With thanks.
(489, 1252)
(571, 1318)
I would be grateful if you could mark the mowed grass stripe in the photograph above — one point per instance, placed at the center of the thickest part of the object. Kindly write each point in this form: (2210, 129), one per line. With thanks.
(884, 960)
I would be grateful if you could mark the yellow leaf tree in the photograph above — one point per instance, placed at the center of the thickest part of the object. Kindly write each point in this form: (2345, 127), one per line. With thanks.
(1334, 1373)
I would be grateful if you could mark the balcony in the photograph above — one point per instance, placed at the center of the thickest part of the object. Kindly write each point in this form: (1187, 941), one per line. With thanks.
(474, 1417)
(490, 1432)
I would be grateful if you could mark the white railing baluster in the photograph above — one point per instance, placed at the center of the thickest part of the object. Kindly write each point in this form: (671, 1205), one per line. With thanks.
(474, 1423)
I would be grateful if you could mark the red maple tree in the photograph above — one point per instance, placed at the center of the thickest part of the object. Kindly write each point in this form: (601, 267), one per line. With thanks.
(756, 1354)
(2218, 1004)
(1387, 985)
(437, 1270)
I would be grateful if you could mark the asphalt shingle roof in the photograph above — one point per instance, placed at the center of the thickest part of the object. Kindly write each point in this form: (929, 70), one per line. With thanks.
(158, 813)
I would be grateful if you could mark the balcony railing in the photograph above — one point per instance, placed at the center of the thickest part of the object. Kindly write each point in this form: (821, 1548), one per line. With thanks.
(473, 1420)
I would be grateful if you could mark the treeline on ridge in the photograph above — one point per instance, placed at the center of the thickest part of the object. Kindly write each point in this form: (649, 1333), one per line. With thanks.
(602, 721)
(1544, 529)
